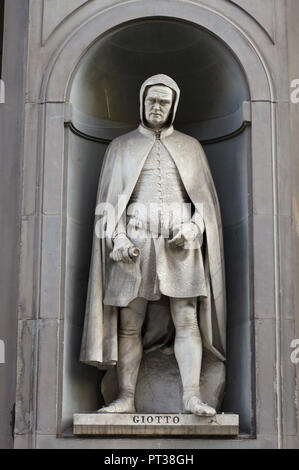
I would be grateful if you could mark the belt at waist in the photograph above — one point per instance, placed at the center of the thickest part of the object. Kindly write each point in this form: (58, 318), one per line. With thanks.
(156, 227)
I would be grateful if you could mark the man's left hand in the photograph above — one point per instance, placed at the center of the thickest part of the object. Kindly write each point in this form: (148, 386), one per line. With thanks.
(186, 232)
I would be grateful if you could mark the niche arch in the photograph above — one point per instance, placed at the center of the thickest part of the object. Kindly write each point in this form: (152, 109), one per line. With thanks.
(104, 103)
(57, 85)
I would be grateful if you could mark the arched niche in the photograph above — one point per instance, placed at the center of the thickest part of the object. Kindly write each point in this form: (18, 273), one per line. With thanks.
(104, 94)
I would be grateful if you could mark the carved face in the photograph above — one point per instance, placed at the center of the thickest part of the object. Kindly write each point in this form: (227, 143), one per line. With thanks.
(157, 105)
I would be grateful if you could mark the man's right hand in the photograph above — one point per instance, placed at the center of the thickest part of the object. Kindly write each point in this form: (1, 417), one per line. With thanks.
(120, 252)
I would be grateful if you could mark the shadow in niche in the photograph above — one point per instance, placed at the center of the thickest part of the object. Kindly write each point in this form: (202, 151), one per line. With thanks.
(105, 101)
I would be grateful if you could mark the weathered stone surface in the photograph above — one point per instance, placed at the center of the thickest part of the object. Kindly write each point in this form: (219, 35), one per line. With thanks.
(262, 12)
(47, 379)
(157, 424)
(11, 151)
(51, 267)
(55, 12)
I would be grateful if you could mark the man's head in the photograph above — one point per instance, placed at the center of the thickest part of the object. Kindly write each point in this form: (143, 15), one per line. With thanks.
(158, 103)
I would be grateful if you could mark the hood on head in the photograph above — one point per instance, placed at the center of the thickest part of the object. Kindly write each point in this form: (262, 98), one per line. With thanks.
(160, 79)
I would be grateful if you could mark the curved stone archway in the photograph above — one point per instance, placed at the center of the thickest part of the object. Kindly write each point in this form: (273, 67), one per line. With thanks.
(105, 103)
(65, 59)
(57, 87)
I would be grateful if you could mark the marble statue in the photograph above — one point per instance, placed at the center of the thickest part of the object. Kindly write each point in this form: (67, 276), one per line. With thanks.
(158, 233)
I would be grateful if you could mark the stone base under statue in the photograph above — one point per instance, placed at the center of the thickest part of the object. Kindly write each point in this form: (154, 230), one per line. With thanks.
(145, 424)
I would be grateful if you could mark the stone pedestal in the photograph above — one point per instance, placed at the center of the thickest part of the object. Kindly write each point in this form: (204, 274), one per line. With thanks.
(137, 424)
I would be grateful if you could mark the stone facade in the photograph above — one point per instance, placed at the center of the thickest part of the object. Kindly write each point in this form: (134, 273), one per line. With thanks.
(35, 172)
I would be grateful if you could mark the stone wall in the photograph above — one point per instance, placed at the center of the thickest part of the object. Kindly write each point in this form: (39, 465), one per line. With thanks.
(293, 38)
(11, 158)
(258, 32)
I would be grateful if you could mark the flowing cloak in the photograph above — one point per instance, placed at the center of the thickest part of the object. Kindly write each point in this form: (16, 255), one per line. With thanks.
(121, 168)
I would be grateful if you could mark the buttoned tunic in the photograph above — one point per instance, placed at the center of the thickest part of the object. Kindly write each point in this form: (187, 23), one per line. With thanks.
(159, 201)
(158, 206)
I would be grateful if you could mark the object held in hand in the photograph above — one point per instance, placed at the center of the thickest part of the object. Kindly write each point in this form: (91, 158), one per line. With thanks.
(134, 252)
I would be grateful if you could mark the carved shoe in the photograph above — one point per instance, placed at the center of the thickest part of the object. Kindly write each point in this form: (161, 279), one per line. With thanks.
(120, 405)
(195, 406)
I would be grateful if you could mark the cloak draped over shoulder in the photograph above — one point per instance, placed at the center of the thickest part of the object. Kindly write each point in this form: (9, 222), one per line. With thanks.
(124, 160)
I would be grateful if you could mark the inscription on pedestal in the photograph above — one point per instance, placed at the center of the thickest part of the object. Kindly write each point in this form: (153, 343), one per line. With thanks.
(156, 419)
(155, 424)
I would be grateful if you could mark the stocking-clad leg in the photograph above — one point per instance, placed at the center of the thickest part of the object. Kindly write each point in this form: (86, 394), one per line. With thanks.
(129, 356)
(188, 353)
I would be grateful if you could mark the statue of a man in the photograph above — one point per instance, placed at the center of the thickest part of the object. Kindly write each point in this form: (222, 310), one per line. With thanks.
(165, 238)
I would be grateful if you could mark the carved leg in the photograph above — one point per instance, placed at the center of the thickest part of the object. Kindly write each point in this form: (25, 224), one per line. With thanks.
(130, 355)
(188, 353)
